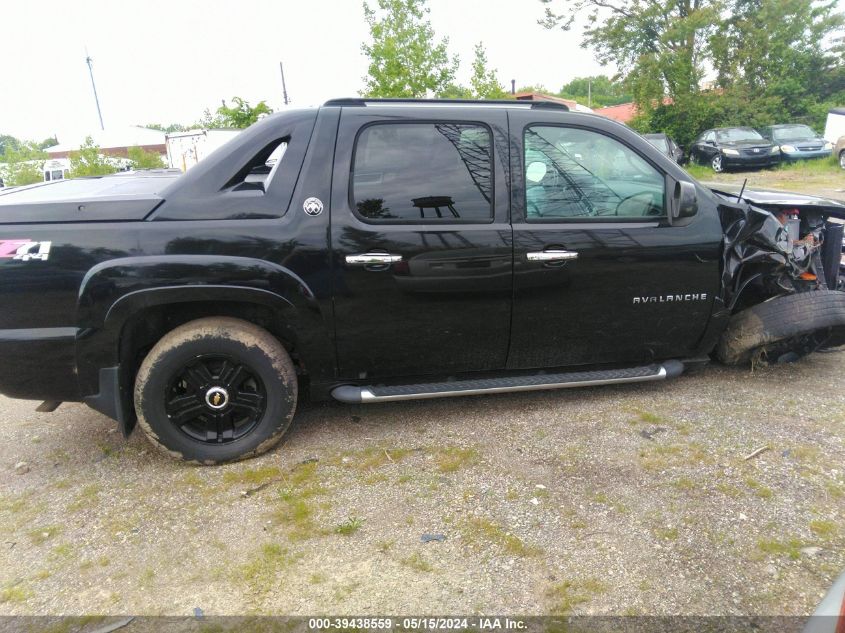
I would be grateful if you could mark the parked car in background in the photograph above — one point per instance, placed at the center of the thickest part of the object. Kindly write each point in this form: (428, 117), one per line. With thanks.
(726, 147)
(797, 142)
(839, 151)
(665, 144)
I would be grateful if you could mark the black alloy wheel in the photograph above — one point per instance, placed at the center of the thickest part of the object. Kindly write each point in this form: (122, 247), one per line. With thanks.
(215, 390)
(215, 399)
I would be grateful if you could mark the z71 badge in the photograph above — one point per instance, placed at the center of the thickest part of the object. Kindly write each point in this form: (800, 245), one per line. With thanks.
(25, 250)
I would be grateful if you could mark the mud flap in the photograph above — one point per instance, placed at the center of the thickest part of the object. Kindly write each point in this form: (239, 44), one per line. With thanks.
(111, 400)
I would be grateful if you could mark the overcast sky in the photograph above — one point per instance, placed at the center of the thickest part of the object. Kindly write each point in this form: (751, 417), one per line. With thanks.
(165, 62)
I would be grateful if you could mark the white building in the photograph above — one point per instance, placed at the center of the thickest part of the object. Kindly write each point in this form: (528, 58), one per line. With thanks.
(186, 149)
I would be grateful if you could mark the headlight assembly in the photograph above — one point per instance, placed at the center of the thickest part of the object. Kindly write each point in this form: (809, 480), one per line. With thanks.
(730, 152)
(828, 145)
(784, 148)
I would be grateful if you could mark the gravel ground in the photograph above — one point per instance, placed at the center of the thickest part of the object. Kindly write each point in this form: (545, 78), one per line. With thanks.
(617, 500)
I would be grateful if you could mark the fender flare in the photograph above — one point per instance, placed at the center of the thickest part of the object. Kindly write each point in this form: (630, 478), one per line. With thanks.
(113, 291)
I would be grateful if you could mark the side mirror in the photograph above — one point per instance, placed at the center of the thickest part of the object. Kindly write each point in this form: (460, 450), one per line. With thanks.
(710, 142)
(684, 203)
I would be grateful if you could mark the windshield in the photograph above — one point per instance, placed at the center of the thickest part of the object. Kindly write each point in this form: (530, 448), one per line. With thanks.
(659, 142)
(737, 134)
(793, 133)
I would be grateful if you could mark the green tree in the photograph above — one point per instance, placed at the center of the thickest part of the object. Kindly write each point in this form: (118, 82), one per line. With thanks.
(597, 91)
(485, 82)
(88, 161)
(405, 59)
(534, 88)
(23, 164)
(785, 52)
(658, 46)
(142, 159)
(456, 91)
(8, 141)
(239, 115)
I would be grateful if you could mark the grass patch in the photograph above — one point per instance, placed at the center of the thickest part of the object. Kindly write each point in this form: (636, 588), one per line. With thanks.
(791, 547)
(823, 528)
(253, 476)
(13, 505)
(191, 478)
(601, 497)
(664, 456)
(87, 497)
(349, 527)
(699, 172)
(566, 595)
(728, 490)
(41, 535)
(295, 509)
(454, 458)
(667, 533)
(805, 175)
(375, 457)
(63, 550)
(646, 417)
(416, 562)
(261, 570)
(684, 483)
(147, 577)
(14, 594)
(483, 531)
(759, 489)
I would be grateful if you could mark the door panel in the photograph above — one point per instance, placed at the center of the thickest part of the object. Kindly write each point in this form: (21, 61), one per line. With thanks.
(631, 288)
(422, 246)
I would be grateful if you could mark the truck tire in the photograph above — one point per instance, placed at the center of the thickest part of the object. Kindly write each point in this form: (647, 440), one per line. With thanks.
(216, 390)
(784, 328)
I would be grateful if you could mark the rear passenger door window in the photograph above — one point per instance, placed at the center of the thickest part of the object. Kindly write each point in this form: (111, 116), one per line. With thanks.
(423, 173)
(581, 175)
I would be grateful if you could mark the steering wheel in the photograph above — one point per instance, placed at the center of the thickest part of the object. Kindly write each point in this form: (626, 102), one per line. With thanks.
(647, 204)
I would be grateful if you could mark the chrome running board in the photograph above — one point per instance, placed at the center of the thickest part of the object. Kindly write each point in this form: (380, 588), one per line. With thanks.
(533, 382)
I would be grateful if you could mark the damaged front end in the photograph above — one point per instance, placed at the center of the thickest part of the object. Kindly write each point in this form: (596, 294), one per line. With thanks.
(779, 245)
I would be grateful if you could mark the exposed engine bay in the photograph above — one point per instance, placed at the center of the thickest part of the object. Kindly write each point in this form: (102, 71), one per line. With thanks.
(777, 244)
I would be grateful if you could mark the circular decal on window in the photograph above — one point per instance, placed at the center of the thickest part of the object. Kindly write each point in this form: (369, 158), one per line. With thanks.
(312, 206)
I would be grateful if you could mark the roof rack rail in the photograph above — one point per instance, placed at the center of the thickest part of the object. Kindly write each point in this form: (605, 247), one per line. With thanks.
(363, 101)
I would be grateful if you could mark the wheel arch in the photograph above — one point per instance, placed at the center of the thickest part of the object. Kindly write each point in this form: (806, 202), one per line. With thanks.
(126, 307)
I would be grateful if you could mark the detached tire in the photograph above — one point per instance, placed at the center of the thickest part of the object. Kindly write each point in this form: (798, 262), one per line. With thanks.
(216, 390)
(785, 328)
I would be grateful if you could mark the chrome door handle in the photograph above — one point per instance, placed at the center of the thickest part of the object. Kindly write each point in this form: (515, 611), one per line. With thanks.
(372, 258)
(551, 256)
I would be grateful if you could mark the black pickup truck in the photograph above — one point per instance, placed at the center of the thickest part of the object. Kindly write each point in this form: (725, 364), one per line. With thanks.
(381, 250)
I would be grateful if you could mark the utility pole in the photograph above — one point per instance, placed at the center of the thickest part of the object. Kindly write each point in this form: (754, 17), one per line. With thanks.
(513, 86)
(284, 88)
(88, 61)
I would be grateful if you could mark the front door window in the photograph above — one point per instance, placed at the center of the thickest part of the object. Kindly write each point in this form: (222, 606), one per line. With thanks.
(576, 174)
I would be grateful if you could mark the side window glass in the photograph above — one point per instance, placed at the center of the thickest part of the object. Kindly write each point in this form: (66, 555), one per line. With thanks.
(574, 174)
(423, 172)
(710, 136)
